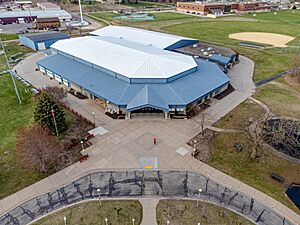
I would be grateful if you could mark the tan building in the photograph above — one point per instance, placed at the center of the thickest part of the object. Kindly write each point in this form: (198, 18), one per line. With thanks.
(47, 23)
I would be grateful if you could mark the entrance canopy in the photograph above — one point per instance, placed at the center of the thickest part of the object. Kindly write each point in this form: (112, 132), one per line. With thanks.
(147, 98)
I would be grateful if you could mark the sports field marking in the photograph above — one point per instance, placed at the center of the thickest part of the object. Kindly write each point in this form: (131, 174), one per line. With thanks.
(277, 40)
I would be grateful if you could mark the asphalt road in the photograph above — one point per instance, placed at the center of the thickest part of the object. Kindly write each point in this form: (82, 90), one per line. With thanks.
(138, 184)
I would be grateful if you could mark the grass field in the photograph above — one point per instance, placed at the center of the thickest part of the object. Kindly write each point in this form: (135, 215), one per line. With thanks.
(11, 49)
(13, 116)
(91, 213)
(268, 62)
(282, 98)
(6, 37)
(257, 172)
(185, 212)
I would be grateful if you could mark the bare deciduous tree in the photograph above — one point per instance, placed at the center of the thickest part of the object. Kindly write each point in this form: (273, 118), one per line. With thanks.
(202, 121)
(255, 133)
(57, 93)
(36, 147)
(296, 66)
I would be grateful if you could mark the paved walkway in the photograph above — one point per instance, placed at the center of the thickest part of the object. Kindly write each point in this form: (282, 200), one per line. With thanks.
(149, 211)
(128, 143)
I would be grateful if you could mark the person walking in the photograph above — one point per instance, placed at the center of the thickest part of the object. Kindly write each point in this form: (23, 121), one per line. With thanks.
(154, 141)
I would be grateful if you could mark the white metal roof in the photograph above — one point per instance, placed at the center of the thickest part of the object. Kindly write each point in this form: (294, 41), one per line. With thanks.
(146, 37)
(62, 14)
(126, 58)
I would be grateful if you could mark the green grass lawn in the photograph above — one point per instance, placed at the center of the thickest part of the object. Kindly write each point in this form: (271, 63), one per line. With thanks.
(184, 212)
(6, 37)
(11, 49)
(13, 116)
(284, 16)
(257, 172)
(281, 101)
(118, 212)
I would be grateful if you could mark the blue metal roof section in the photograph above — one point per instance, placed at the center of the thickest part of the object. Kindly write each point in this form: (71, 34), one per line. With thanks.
(44, 36)
(147, 97)
(179, 92)
(223, 60)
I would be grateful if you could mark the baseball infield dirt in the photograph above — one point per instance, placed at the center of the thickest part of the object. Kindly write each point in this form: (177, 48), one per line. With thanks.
(277, 40)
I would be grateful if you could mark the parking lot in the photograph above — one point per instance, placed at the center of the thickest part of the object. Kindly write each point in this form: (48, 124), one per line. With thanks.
(15, 28)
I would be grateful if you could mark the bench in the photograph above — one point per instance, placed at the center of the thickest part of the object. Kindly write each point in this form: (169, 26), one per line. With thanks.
(277, 177)
(83, 158)
(88, 136)
(195, 153)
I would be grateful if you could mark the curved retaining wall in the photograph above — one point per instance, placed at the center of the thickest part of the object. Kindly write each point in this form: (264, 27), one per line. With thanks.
(136, 184)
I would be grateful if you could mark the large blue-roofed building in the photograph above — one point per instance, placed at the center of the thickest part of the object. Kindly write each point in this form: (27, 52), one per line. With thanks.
(132, 70)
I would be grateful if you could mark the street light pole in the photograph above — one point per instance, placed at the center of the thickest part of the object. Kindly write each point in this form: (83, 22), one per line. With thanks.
(65, 220)
(168, 222)
(10, 72)
(133, 221)
(195, 141)
(93, 113)
(99, 194)
(105, 221)
(80, 11)
(82, 148)
(54, 120)
(200, 191)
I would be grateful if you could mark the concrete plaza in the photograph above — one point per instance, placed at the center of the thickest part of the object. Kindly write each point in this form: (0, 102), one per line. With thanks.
(128, 144)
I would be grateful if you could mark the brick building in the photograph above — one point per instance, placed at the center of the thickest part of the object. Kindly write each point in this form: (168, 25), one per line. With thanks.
(253, 7)
(201, 8)
(219, 8)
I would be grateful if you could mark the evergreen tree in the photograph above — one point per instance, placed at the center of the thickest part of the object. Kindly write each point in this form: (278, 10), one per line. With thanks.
(45, 112)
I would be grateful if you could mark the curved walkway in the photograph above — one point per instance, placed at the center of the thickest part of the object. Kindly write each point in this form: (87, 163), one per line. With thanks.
(139, 184)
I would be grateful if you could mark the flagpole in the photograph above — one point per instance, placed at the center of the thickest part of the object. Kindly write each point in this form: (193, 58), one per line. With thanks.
(10, 72)
(53, 115)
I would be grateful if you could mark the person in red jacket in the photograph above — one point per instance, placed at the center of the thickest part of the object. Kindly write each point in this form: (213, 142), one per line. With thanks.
(154, 140)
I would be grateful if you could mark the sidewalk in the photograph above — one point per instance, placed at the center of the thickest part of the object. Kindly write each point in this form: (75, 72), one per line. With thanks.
(149, 211)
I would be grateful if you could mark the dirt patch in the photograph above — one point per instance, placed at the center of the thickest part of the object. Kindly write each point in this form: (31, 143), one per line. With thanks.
(70, 141)
(202, 145)
(277, 40)
(293, 81)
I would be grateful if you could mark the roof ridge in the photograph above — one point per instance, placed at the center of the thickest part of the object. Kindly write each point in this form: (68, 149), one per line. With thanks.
(176, 93)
